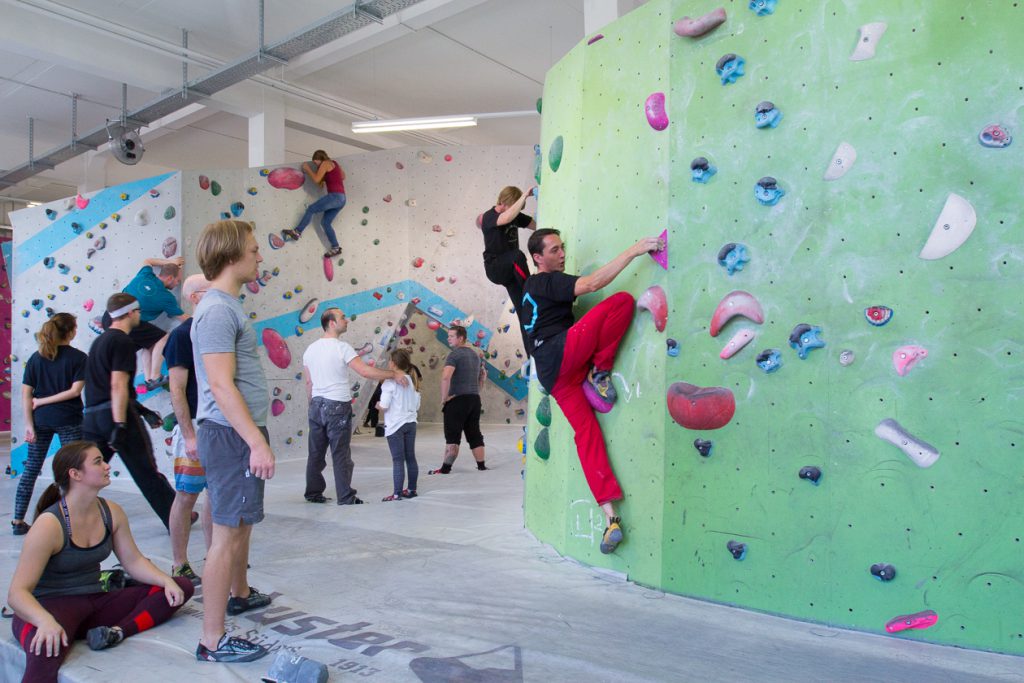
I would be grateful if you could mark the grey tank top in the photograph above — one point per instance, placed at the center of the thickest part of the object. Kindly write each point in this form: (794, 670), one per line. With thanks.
(74, 570)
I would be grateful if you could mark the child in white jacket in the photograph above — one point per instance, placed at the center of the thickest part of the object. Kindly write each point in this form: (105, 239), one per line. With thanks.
(400, 405)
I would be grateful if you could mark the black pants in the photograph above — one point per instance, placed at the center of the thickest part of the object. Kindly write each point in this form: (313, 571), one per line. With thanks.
(137, 456)
(462, 414)
(510, 271)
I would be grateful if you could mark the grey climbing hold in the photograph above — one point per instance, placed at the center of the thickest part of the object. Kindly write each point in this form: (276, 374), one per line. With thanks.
(922, 453)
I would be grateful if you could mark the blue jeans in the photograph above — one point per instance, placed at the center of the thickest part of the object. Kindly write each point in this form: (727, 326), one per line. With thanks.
(403, 456)
(330, 424)
(330, 205)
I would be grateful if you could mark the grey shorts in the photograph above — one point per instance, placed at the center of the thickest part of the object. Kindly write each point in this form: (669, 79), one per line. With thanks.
(234, 495)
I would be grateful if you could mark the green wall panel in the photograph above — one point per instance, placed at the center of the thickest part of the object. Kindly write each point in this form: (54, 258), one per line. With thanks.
(827, 251)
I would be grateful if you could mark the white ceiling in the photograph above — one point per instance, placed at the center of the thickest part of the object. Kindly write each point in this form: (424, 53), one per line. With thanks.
(436, 57)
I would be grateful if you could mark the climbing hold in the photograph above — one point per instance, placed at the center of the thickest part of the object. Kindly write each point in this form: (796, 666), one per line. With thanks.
(63, 269)
(846, 357)
(433, 325)
(922, 453)
(103, 226)
(767, 191)
(276, 241)
(867, 41)
(436, 311)
(299, 330)
(452, 279)
(804, 338)
(424, 157)
(555, 153)
(142, 218)
(376, 242)
(654, 108)
(387, 199)
(252, 191)
(729, 68)
(596, 401)
(733, 304)
(653, 300)
(733, 257)
(287, 295)
(841, 162)
(169, 213)
(116, 217)
(125, 196)
(309, 310)
(399, 165)
(51, 214)
(366, 348)
(77, 228)
(995, 136)
(542, 444)
(544, 411)
(878, 315)
(738, 550)
(538, 162)
(762, 7)
(906, 357)
(738, 341)
(354, 281)
(810, 473)
(703, 446)
(237, 208)
(277, 348)
(660, 256)
(81, 202)
(264, 172)
(88, 304)
(918, 620)
(596, 38)
(701, 408)
(328, 269)
(49, 262)
(673, 347)
(766, 115)
(76, 279)
(286, 178)
(417, 262)
(447, 157)
(37, 304)
(539, 105)
(169, 247)
(88, 268)
(694, 28)
(769, 360)
(204, 183)
(215, 188)
(954, 226)
(701, 170)
(883, 572)
(253, 286)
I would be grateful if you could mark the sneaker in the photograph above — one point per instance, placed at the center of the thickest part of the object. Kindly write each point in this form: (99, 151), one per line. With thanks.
(291, 235)
(20, 527)
(318, 498)
(354, 501)
(185, 570)
(102, 637)
(254, 600)
(409, 494)
(600, 382)
(612, 536)
(231, 650)
(333, 251)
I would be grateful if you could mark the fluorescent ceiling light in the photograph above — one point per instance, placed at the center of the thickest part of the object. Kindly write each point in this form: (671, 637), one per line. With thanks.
(424, 123)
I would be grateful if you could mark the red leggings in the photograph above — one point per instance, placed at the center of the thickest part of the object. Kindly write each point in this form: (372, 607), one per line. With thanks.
(134, 609)
(592, 341)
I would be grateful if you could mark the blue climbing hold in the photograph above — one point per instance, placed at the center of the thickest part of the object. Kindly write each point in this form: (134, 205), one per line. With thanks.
(767, 191)
(733, 257)
(237, 208)
(701, 170)
(883, 572)
(769, 360)
(763, 8)
(810, 473)
(738, 550)
(729, 68)
(673, 347)
(804, 338)
(766, 115)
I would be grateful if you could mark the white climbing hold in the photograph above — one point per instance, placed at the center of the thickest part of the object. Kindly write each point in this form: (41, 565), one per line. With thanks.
(954, 226)
(867, 41)
(842, 161)
(142, 218)
(923, 454)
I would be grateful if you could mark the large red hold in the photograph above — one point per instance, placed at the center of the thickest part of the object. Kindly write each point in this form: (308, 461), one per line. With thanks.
(277, 348)
(286, 178)
(700, 407)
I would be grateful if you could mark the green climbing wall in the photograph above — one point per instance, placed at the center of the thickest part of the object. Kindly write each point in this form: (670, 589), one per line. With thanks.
(824, 253)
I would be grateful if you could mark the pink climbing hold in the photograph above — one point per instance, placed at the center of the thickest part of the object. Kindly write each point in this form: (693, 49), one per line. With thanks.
(276, 407)
(738, 341)
(169, 247)
(596, 38)
(433, 325)
(88, 304)
(661, 256)
(906, 357)
(399, 165)
(387, 198)
(480, 334)
(653, 300)
(286, 178)
(447, 157)
(595, 400)
(81, 202)
(437, 228)
(328, 268)
(918, 620)
(700, 408)
(655, 110)
(204, 183)
(277, 349)
(734, 304)
(417, 262)
(695, 28)
(452, 279)
(253, 286)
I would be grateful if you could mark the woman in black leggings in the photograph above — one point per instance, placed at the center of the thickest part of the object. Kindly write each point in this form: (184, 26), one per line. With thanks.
(56, 592)
(51, 397)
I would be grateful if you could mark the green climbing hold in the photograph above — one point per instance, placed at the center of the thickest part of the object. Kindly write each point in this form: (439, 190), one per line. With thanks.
(544, 411)
(364, 222)
(539, 101)
(169, 422)
(366, 209)
(169, 213)
(355, 282)
(214, 188)
(538, 164)
(555, 155)
(376, 242)
(541, 446)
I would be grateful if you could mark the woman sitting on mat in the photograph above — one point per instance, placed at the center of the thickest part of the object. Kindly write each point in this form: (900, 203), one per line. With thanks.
(56, 592)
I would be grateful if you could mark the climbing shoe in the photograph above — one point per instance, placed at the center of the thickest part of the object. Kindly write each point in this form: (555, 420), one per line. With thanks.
(600, 382)
(612, 536)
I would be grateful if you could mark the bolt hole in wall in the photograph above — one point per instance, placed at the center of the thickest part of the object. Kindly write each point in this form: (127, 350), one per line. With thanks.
(920, 216)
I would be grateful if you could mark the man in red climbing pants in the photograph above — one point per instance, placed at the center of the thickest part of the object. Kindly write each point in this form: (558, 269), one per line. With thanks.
(575, 358)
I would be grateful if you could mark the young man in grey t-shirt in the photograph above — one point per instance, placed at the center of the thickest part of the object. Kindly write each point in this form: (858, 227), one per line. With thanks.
(461, 380)
(232, 438)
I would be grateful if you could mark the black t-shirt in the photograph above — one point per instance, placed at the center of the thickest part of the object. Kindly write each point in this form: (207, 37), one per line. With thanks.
(111, 351)
(546, 314)
(499, 239)
(49, 377)
(178, 354)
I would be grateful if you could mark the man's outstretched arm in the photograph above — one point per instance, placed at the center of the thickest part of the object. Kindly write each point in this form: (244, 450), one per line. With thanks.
(603, 276)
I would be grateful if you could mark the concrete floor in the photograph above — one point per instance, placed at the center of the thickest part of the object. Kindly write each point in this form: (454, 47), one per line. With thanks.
(450, 586)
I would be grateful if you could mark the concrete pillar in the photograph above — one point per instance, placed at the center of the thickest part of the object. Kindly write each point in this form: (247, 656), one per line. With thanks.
(266, 134)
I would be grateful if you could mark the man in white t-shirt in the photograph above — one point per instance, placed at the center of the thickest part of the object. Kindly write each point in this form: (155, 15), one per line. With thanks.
(326, 363)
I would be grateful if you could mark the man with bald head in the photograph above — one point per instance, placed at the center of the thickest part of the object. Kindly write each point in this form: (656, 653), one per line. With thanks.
(189, 475)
